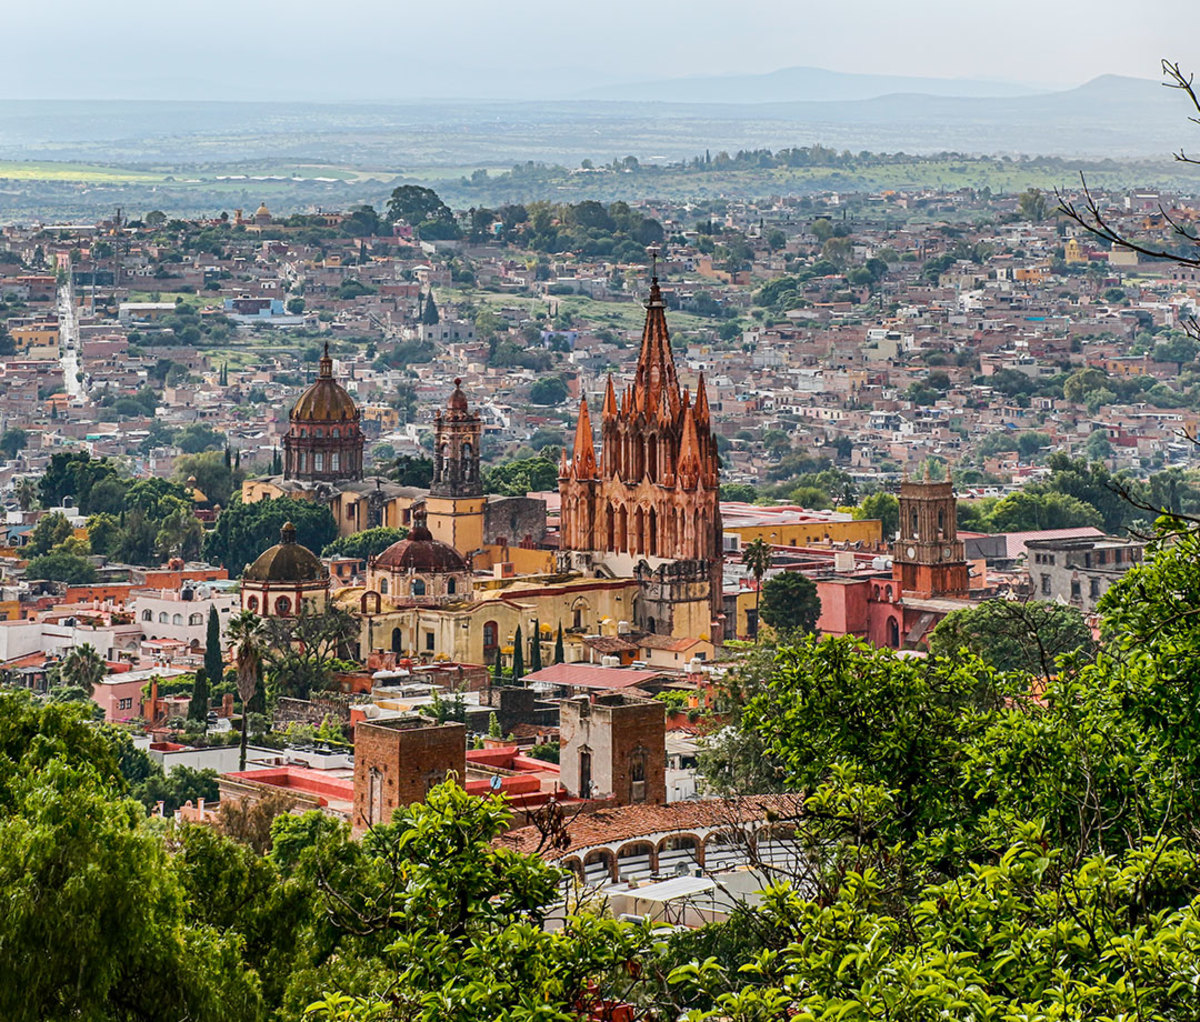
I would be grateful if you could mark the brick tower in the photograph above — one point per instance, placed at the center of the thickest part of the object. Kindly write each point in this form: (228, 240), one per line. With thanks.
(928, 559)
(649, 506)
(614, 748)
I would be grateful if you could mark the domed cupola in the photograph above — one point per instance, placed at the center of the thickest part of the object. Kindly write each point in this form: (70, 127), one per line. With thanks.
(420, 570)
(325, 439)
(285, 579)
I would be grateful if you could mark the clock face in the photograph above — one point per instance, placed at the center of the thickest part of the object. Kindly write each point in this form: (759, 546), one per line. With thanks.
(945, 551)
(911, 551)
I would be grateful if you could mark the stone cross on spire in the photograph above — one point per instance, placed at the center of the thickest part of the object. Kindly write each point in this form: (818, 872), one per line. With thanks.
(652, 252)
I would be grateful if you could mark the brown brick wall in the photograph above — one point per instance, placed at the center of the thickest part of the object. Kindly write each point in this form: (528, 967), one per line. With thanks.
(406, 758)
(616, 730)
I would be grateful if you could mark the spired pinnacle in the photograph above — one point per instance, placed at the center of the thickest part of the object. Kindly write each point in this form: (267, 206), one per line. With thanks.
(652, 252)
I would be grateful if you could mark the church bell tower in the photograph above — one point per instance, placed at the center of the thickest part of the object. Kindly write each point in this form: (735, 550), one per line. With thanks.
(454, 507)
(929, 559)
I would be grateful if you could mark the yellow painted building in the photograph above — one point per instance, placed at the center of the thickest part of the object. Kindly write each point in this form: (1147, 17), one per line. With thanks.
(472, 630)
(36, 340)
(868, 532)
(457, 521)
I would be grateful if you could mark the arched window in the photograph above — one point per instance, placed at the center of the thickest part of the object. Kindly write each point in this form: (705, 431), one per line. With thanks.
(451, 586)
(941, 523)
(318, 462)
(893, 639)
(163, 618)
(252, 604)
(637, 777)
(491, 636)
(418, 587)
(914, 523)
(176, 619)
(383, 586)
(397, 641)
(195, 619)
(888, 594)
(335, 433)
(147, 615)
(283, 606)
(302, 461)
(334, 461)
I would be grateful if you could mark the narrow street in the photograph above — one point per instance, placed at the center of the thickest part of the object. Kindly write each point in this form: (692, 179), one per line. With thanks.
(68, 344)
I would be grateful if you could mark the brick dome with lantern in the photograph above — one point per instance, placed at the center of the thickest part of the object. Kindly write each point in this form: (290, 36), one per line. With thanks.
(324, 441)
(420, 570)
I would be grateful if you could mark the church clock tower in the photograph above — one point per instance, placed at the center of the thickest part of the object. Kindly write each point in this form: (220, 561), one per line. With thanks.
(929, 559)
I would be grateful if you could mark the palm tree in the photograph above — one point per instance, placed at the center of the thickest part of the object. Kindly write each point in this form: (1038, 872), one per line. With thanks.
(83, 667)
(248, 636)
(26, 491)
(757, 557)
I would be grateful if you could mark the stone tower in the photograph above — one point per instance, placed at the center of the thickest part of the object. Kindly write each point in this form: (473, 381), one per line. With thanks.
(614, 748)
(454, 507)
(928, 559)
(649, 506)
(456, 449)
(397, 761)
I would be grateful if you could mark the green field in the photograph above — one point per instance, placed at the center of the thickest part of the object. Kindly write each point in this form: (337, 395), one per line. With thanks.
(14, 170)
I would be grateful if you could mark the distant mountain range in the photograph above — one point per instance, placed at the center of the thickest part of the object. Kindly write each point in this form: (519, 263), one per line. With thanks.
(1108, 116)
(797, 84)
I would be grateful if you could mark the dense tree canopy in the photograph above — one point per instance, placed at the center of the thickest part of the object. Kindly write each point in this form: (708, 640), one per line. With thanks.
(790, 603)
(1014, 636)
(244, 531)
(521, 476)
(366, 544)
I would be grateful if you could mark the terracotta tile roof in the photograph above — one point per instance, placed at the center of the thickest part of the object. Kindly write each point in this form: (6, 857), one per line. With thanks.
(668, 643)
(609, 644)
(614, 825)
(591, 676)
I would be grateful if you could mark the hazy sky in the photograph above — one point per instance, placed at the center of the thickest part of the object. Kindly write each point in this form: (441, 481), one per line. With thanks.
(396, 49)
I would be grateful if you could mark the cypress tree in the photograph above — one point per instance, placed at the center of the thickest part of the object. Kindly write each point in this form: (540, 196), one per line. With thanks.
(498, 667)
(430, 315)
(198, 707)
(559, 653)
(214, 661)
(518, 668)
(535, 659)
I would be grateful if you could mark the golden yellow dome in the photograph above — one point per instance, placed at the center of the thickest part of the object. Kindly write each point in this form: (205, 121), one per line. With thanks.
(287, 561)
(326, 400)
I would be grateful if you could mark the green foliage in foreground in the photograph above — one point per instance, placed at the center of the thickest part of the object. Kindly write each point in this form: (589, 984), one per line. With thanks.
(971, 842)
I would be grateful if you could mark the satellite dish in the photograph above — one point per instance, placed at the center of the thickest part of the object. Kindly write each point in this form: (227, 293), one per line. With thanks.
(496, 783)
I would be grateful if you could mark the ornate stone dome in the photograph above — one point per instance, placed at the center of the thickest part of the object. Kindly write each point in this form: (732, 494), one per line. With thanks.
(326, 400)
(458, 400)
(420, 552)
(287, 561)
